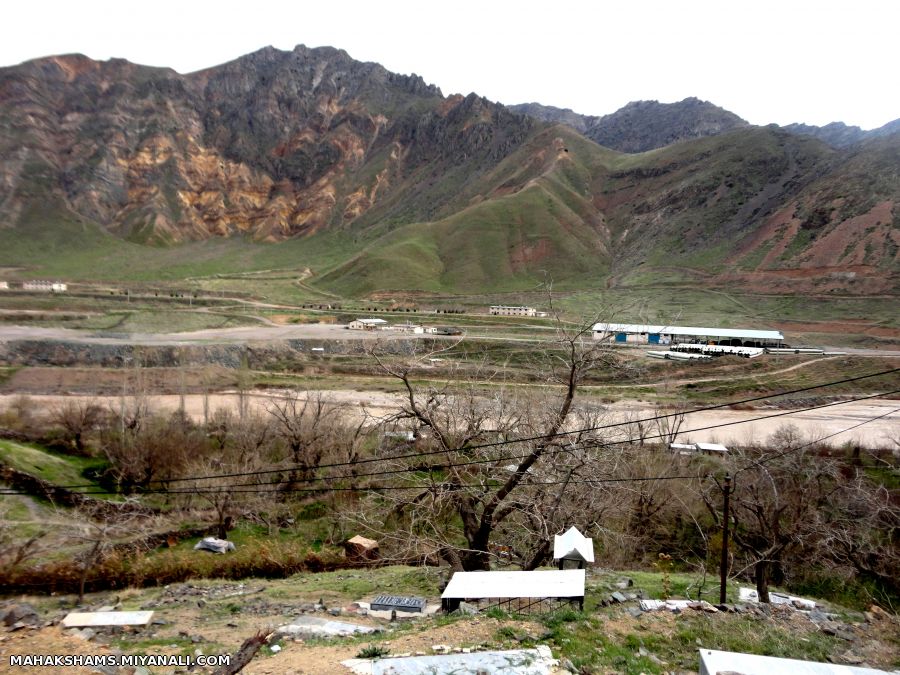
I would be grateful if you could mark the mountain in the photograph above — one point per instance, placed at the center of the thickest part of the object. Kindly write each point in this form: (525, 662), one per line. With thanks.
(643, 125)
(273, 145)
(756, 208)
(839, 135)
(378, 182)
(549, 113)
(646, 125)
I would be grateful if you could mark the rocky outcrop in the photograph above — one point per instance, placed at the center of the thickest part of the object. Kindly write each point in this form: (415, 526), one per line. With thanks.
(272, 145)
(549, 113)
(840, 135)
(642, 125)
(646, 125)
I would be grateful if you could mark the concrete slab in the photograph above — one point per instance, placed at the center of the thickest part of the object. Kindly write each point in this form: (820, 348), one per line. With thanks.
(537, 661)
(750, 595)
(653, 605)
(81, 619)
(386, 614)
(713, 662)
(313, 626)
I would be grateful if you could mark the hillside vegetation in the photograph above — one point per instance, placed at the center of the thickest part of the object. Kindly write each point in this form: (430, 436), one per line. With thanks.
(377, 182)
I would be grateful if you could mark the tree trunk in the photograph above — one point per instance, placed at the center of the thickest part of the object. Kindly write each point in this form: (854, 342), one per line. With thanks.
(538, 557)
(761, 573)
(477, 558)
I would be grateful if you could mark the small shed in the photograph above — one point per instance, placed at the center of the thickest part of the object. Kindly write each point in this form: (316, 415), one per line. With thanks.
(517, 591)
(699, 448)
(711, 448)
(572, 545)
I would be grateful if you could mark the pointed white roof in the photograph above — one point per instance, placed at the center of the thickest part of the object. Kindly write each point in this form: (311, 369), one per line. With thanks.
(572, 545)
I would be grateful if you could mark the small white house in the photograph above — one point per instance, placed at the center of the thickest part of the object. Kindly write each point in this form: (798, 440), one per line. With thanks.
(4, 285)
(367, 324)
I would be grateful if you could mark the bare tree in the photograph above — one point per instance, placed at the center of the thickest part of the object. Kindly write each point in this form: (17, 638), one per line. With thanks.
(782, 497)
(153, 448)
(668, 425)
(96, 535)
(863, 532)
(471, 477)
(78, 418)
(307, 424)
(14, 549)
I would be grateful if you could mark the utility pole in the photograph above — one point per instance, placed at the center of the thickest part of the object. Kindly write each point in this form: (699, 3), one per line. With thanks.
(723, 568)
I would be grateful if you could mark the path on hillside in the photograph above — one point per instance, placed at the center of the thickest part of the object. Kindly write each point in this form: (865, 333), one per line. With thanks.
(730, 376)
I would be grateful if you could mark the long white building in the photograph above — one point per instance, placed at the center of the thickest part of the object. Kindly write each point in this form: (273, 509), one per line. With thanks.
(661, 334)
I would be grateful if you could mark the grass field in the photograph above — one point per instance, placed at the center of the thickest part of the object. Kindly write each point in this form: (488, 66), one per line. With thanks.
(52, 467)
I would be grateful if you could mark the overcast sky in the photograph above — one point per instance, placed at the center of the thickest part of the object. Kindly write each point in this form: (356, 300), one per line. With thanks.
(781, 61)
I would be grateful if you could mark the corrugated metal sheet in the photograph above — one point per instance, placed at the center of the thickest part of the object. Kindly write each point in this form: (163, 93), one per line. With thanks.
(743, 333)
(542, 584)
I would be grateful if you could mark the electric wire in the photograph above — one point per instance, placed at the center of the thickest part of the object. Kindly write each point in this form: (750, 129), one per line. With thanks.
(528, 439)
(273, 486)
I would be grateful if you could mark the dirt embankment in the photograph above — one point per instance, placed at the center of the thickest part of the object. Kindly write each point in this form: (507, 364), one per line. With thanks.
(254, 355)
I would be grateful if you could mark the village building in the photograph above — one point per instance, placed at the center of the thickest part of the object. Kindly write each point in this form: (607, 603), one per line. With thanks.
(512, 310)
(45, 286)
(367, 324)
(661, 334)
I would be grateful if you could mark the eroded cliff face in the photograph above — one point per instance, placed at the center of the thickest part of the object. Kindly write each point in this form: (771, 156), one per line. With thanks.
(272, 145)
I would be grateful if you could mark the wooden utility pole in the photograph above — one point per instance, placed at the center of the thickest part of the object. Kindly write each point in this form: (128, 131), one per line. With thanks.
(723, 567)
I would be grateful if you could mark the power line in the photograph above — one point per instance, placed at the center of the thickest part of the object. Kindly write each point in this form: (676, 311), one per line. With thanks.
(588, 443)
(465, 448)
(814, 442)
(272, 486)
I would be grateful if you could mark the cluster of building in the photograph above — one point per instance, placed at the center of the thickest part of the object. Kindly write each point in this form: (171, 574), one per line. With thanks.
(383, 325)
(655, 334)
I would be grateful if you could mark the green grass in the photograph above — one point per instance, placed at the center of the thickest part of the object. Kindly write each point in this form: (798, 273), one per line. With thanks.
(57, 469)
(166, 321)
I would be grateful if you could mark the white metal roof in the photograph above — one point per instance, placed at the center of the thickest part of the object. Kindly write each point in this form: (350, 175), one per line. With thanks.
(711, 447)
(713, 662)
(687, 330)
(542, 584)
(373, 321)
(572, 545)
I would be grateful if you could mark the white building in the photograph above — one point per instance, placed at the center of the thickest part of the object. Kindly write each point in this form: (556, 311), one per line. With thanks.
(694, 448)
(512, 310)
(655, 334)
(367, 324)
(45, 286)
(407, 328)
